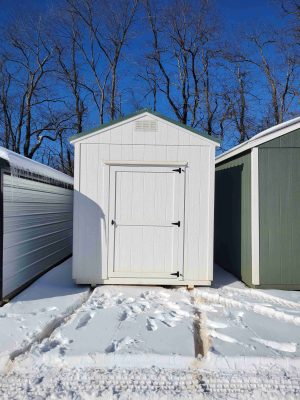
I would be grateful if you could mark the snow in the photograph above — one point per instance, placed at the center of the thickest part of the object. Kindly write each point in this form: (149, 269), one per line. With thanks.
(287, 347)
(151, 383)
(19, 163)
(66, 341)
(37, 310)
(249, 327)
(122, 325)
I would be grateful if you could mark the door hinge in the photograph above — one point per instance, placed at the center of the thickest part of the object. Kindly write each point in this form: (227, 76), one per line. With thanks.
(177, 274)
(178, 170)
(176, 223)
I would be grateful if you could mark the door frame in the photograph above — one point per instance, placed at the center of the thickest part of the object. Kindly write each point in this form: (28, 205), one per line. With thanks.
(111, 229)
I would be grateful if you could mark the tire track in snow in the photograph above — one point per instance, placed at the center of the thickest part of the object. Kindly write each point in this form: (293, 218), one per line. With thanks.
(256, 308)
(152, 383)
(258, 295)
(47, 330)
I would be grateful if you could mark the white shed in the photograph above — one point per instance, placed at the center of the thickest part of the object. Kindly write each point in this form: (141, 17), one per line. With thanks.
(143, 203)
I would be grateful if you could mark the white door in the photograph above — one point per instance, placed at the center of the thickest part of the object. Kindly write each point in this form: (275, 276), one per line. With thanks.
(146, 220)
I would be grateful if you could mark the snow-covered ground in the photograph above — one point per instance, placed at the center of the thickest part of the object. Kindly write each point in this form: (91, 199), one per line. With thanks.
(62, 341)
(37, 311)
(127, 326)
(249, 326)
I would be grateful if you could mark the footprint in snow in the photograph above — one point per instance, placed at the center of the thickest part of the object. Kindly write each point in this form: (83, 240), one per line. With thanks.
(164, 294)
(124, 316)
(85, 319)
(171, 323)
(48, 309)
(172, 306)
(117, 345)
(137, 309)
(151, 324)
(181, 313)
(56, 341)
(129, 300)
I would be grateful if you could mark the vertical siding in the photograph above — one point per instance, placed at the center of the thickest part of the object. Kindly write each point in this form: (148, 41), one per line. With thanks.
(168, 143)
(147, 200)
(279, 189)
(37, 229)
(232, 232)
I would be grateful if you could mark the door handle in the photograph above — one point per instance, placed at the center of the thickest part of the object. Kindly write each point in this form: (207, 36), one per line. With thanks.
(176, 223)
(179, 170)
(113, 222)
(177, 274)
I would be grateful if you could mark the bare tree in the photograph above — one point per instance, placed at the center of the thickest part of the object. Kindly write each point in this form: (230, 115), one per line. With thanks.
(107, 32)
(240, 106)
(31, 115)
(69, 70)
(275, 57)
(238, 97)
(185, 54)
(282, 90)
(60, 156)
(291, 9)
(150, 77)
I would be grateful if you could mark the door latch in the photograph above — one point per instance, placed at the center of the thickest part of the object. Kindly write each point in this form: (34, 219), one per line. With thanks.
(176, 223)
(177, 274)
(178, 170)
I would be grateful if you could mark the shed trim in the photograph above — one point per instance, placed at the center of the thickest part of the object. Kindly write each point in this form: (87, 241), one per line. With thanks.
(148, 163)
(262, 137)
(211, 200)
(131, 117)
(1, 234)
(254, 216)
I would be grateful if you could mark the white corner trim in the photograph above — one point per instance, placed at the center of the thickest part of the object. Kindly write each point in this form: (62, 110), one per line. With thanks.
(254, 216)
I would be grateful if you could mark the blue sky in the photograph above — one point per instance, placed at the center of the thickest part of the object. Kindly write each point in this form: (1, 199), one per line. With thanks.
(240, 11)
(236, 16)
(235, 11)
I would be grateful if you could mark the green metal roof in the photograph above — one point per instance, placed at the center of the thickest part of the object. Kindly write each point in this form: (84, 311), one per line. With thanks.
(116, 121)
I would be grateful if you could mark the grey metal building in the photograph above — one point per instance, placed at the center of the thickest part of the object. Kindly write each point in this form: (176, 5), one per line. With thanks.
(36, 205)
(257, 208)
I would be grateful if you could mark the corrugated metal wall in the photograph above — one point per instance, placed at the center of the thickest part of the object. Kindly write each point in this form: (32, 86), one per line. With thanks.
(279, 201)
(232, 238)
(37, 229)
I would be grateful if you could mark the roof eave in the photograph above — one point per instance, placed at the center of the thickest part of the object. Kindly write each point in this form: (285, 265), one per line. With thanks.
(80, 136)
(262, 137)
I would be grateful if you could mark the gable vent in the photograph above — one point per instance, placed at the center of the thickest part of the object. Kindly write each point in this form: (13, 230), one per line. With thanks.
(146, 126)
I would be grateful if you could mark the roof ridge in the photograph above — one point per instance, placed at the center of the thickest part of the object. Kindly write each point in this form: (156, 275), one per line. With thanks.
(139, 112)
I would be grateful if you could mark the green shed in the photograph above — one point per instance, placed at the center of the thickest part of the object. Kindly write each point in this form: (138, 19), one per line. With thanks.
(257, 208)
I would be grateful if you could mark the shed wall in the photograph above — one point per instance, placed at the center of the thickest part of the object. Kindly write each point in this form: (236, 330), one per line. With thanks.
(37, 229)
(232, 239)
(279, 200)
(167, 143)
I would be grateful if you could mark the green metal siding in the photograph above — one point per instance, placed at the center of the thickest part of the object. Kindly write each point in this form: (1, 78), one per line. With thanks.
(291, 139)
(279, 202)
(233, 216)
